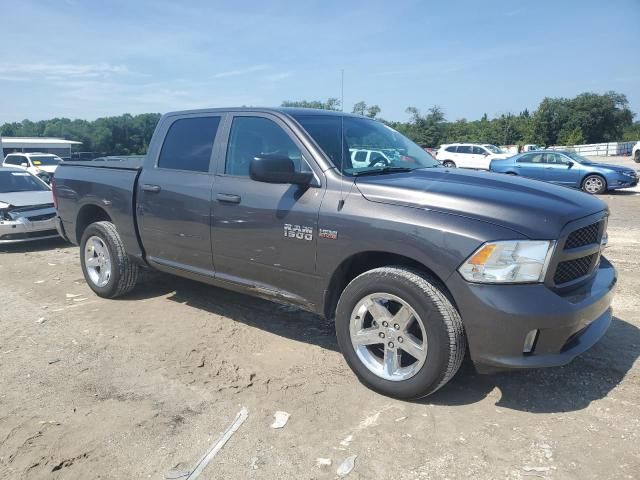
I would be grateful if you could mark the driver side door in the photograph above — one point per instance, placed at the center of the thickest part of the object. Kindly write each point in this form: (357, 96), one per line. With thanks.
(559, 170)
(264, 234)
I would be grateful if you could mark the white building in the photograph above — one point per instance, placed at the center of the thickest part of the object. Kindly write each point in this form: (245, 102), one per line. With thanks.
(57, 146)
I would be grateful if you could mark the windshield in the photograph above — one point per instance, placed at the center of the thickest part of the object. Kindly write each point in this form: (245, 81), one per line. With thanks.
(45, 161)
(576, 157)
(493, 149)
(360, 145)
(20, 182)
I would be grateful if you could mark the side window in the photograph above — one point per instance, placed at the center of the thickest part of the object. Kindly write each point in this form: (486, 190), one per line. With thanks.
(554, 158)
(451, 149)
(531, 158)
(479, 151)
(255, 136)
(464, 149)
(361, 156)
(188, 144)
(15, 160)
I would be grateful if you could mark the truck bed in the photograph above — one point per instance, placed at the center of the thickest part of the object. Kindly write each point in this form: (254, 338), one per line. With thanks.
(80, 190)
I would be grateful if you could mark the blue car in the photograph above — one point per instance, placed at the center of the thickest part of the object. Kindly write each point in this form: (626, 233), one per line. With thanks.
(569, 169)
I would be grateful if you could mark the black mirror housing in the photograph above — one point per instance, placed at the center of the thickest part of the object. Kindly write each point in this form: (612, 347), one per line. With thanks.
(277, 169)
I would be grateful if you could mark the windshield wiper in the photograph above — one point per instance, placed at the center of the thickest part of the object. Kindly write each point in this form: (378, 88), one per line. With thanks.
(384, 170)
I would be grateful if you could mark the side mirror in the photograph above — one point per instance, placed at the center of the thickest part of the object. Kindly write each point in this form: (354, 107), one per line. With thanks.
(24, 164)
(277, 169)
(486, 154)
(569, 163)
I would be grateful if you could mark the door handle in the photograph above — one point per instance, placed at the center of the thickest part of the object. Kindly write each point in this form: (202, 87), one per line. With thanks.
(228, 198)
(151, 188)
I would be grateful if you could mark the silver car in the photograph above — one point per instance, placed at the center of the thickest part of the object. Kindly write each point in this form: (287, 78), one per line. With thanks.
(26, 207)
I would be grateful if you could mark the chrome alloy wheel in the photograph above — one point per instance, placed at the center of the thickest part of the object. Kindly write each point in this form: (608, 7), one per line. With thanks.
(593, 184)
(97, 261)
(388, 336)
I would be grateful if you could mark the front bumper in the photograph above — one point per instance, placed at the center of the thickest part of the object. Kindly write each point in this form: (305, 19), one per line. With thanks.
(21, 229)
(497, 319)
(622, 182)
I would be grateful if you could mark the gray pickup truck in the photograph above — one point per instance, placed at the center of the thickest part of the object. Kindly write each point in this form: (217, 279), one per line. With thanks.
(416, 262)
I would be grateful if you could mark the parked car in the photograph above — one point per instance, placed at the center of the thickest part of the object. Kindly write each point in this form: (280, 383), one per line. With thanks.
(413, 261)
(367, 157)
(469, 155)
(36, 163)
(635, 152)
(26, 207)
(569, 169)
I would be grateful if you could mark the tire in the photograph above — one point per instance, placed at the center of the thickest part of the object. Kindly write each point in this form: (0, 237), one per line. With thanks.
(106, 267)
(636, 156)
(431, 320)
(449, 164)
(594, 184)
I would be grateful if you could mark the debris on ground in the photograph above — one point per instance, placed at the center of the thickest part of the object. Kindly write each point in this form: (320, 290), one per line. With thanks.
(200, 465)
(323, 462)
(41, 320)
(38, 282)
(400, 419)
(347, 440)
(73, 295)
(55, 360)
(347, 466)
(280, 419)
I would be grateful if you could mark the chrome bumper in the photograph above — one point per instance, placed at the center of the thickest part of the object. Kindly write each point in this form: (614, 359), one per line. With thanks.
(21, 227)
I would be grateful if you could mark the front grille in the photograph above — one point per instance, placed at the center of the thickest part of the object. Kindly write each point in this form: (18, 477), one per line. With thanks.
(40, 218)
(584, 236)
(573, 269)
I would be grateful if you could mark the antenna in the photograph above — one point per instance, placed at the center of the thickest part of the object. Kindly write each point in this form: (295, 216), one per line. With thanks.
(342, 90)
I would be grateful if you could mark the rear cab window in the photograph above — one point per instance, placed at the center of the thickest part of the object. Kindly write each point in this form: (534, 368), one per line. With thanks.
(189, 143)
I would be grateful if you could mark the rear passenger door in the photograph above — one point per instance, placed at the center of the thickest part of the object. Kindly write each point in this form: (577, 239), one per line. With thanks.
(531, 165)
(464, 156)
(264, 234)
(174, 195)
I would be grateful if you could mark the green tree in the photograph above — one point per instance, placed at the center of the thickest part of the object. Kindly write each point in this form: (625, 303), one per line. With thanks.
(331, 104)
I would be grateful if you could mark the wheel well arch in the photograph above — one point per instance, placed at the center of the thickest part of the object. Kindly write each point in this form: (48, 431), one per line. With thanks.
(87, 215)
(362, 262)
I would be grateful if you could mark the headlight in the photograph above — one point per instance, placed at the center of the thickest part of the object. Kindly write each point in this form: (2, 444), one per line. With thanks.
(3, 205)
(629, 174)
(517, 261)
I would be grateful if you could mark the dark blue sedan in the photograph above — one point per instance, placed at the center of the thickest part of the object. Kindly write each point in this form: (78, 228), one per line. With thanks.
(569, 169)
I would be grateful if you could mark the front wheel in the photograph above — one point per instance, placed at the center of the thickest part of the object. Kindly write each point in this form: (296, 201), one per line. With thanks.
(107, 268)
(594, 184)
(448, 164)
(636, 156)
(399, 332)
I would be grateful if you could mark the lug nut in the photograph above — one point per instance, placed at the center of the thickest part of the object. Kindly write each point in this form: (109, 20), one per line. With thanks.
(390, 344)
(381, 335)
(396, 326)
(400, 339)
(385, 324)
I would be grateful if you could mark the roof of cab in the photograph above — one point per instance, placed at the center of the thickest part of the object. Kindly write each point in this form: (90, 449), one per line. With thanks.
(293, 111)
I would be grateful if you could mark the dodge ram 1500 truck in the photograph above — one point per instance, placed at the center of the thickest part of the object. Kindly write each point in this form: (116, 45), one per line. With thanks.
(416, 262)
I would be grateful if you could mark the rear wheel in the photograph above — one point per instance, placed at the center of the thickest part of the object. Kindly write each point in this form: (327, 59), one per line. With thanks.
(107, 268)
(594, 184)
(636, 156)
(449, 164)
(399, 332)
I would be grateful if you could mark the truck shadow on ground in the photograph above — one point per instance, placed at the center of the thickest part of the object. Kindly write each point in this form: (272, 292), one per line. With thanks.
(573, 387)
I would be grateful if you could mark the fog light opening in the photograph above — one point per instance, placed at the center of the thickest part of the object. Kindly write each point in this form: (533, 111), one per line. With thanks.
(530, 341)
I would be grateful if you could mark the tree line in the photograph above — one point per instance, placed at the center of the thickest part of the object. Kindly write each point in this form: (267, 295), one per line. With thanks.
(586, 118)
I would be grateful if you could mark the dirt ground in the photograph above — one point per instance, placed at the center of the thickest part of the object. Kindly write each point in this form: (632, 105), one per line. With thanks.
(137, 387)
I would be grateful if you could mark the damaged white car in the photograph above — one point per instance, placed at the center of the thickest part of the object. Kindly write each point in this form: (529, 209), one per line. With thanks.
(26, 207)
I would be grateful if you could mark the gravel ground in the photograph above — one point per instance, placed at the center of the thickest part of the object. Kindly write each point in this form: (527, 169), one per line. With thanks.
(137, 387)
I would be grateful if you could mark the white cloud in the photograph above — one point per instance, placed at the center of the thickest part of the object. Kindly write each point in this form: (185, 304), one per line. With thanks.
(56, 71)
(241, 71)
(276, 77)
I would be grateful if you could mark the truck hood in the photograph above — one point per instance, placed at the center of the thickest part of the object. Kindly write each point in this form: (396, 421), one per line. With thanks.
(24, 199)
(535, 209)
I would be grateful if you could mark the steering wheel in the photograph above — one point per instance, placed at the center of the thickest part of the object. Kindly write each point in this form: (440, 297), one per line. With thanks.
(379, 159)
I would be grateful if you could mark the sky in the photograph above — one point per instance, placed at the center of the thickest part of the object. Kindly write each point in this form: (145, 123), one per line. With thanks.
(89, 59)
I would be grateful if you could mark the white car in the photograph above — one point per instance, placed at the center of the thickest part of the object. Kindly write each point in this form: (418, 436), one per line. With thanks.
(34, 163)
(469, 155)
(361, 157)
(635, 153)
